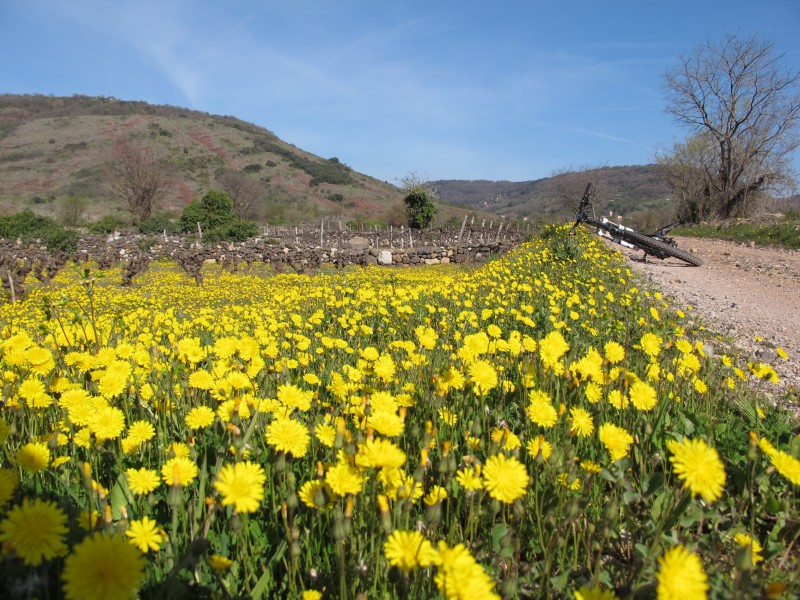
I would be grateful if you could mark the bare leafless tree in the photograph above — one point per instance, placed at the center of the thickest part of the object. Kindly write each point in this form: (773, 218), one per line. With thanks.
(245, 193)
(137, 175)
(569, 184)
(688, 167)
(740, 95)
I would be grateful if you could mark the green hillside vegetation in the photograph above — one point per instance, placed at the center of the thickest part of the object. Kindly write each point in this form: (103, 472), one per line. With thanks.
(54, 148)
(639, 193)
(781, 230)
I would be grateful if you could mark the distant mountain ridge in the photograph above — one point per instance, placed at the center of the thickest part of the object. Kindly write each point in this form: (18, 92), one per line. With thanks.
(626, 190)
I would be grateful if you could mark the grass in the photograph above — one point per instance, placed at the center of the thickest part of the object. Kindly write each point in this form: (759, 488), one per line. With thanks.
(784, 233)
(535, 427)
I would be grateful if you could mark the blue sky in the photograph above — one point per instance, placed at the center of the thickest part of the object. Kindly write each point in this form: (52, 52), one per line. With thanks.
(448, 89)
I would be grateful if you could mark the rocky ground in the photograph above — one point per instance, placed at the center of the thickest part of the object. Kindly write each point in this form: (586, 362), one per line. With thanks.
(750, 295)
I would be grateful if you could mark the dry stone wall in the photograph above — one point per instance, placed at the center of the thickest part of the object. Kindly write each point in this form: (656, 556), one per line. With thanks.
(285, 250)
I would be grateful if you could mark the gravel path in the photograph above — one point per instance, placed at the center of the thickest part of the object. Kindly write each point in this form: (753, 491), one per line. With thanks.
(742, 292)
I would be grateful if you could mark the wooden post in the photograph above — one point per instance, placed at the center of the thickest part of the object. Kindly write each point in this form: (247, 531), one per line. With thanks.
(463, 224)
(11, 287)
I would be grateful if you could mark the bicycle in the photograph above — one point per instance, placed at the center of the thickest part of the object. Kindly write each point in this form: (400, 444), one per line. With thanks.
(656, 244)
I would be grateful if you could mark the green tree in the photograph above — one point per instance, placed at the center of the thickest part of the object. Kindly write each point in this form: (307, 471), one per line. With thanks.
(218, 222)
(420, 201)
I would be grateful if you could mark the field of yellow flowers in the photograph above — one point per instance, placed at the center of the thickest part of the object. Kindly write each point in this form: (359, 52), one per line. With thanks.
(536, 427)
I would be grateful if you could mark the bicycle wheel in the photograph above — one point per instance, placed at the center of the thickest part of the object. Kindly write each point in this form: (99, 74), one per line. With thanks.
(660, 249)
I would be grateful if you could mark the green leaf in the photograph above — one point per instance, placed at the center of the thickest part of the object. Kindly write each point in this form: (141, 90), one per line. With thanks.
(265, 582)
(654, 483)
(629, 497)
(656, 509)
(641, 550)
(499, 531)
(120, 497)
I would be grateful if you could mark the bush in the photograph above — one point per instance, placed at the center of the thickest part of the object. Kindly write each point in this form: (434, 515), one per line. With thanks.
(159, 224)
(237, 231)
(107, 224)
(420, 207)
(29, 226)
(217, 219)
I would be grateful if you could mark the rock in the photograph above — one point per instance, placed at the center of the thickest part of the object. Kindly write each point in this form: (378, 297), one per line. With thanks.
(384, 257)
(357, 243)
(766, 355)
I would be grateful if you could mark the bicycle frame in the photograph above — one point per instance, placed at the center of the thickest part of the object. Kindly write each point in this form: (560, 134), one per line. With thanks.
(655, 244)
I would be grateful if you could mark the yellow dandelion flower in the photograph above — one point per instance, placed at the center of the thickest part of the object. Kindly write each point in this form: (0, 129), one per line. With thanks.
(786, 464)
(699, 467)
(200, 417)
(288, 435)
(505, 478)
(539, 446)
(380, 454)
(469, 478)
(142, 481)
(179, 471)
(316, 494)
(642, 396)
(651, 344)
(102, 567)
(201, 380)
(746, 541)
(447, 416)
(436, 495)
(292, 396)
(386, 423)
(35, 531)
(241, 485)
(681, 576)
(325, 434)
(590, 466)
(33, 457)
(594, 593)
(145, 534)
(459, 575)
(344, 479)
(141, 431)
(483, 376)
(408, 550)
(540, 410)
(8, 485)
(107, 423)
(219, 563)
(615, 439)
(582, 423)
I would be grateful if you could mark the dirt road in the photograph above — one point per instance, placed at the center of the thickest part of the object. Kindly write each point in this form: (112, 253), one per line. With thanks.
(742, 292)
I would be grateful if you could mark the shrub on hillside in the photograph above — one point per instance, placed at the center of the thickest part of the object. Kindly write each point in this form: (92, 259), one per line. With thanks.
(159, 224)
(237, 231)
(107, 224)
(28, 226)
(218, 222)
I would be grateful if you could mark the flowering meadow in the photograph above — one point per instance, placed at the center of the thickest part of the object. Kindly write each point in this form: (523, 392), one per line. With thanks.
(540, 426)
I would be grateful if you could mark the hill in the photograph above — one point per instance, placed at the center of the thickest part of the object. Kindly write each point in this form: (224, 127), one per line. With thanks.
(633, 191)
(53, 148)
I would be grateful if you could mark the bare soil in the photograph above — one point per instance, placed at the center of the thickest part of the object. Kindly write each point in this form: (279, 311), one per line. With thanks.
(748, 294)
